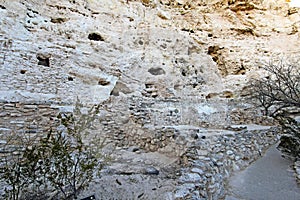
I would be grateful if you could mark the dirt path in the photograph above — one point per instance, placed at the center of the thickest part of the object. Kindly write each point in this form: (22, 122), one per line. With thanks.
(268, 178)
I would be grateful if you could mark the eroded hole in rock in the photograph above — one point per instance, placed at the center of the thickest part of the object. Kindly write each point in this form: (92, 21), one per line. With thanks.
(34, 11)
(103, 82)
(215, 58)
(183, 72)
(211, 95)
(292, 11)
(58, 20)
(95, 37)
(194, 136)
(241, 71)
(188, 30)
(70, 78)
(149, 85)
(244, 31)
(213, 50)
(227, 94)
(23, 71)
(130, 19)
(2, 7)
(242, 6)
(164, 46)
(141, 42)
(176, 86)
(156, 71)
(43, 60)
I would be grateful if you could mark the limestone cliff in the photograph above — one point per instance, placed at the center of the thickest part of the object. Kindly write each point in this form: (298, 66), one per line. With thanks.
(168, 73)
(151, 48)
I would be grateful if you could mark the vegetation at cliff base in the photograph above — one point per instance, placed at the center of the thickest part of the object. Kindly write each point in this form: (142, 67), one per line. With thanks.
(278, 93)
(58, 165)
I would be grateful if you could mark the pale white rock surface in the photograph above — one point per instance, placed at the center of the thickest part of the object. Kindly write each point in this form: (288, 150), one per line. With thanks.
(169, 74)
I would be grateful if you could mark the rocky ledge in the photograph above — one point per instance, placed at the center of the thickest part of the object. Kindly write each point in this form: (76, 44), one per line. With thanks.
(201, 172)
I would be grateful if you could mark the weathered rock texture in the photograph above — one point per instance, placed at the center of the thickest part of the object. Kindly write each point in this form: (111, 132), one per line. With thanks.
(170, 73)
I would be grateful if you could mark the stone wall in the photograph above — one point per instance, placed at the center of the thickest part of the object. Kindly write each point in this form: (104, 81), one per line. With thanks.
(28, 120)
(153, 123)
(207, 155)
(211, 160)
(36, 117)
(208, 152)
(196, 131)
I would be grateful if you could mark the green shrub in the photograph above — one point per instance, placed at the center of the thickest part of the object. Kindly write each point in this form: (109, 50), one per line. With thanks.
(60, 163)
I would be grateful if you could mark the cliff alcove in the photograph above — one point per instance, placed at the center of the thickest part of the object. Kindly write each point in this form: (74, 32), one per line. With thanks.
(169, 75)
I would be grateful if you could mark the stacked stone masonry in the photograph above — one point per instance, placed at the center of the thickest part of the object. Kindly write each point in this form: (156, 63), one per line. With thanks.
(30, 120)
(207, 154)
(210, 161)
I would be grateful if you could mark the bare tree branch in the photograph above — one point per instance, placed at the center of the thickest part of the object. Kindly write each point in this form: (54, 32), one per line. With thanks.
(278, 90)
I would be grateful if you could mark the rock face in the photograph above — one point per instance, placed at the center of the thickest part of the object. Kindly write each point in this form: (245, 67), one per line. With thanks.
(83, 50)
(170, 77)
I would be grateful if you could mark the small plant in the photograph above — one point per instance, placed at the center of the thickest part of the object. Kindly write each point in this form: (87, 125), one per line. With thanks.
(68, 163)
(58, 163)
(12, 172)
(17, 166)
